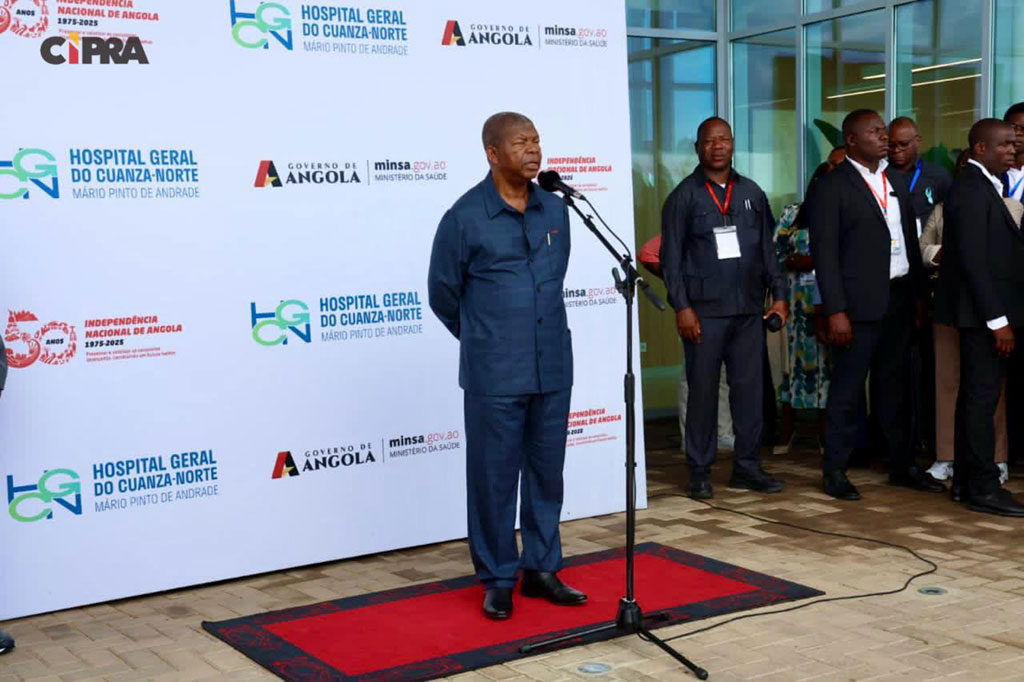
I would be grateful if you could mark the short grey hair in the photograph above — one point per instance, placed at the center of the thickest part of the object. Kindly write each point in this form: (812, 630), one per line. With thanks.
(497, 125)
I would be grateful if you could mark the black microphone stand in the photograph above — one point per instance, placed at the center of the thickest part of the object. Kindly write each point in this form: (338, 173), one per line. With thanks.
(630, 618)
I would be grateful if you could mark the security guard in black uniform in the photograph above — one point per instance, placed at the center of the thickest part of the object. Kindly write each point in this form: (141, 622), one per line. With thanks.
(719, 261)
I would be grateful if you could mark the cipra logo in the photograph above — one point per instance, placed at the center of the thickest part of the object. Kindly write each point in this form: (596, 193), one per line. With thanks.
(15, 16)
(271, 329)
(285, 465)
(251, 29)
(35, 501)
(452, 34)
(53, 343)
(29, 167)
(92, 50)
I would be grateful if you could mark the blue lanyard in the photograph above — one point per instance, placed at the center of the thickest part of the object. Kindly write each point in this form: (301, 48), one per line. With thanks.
(917, 176)
(1014, 189)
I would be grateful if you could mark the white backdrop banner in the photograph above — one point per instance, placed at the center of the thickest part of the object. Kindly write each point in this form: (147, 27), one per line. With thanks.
(217, 217)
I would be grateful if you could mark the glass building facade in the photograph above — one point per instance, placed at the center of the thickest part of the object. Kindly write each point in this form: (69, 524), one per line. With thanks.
(784, 73)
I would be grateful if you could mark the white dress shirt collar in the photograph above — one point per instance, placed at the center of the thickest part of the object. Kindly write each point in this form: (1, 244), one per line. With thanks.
(996, 182)
(888, 203)
(864, 170)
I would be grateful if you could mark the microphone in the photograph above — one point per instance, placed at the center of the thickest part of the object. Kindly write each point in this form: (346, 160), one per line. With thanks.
(552, 182)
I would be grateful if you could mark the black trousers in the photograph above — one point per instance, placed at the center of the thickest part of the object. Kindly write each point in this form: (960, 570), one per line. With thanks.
(1015, 405)
(924, 388)
(881, 349)
(981, 379)
(739, 342)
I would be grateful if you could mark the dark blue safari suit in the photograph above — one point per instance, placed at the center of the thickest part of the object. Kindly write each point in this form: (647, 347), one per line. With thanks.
(728, 298)
(496, 281)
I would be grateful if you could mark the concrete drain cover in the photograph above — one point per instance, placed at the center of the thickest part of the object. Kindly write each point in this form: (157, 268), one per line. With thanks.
(594, 668)
(932, 591)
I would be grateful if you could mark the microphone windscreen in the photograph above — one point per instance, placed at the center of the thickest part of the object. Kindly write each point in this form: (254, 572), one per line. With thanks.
(548, 180)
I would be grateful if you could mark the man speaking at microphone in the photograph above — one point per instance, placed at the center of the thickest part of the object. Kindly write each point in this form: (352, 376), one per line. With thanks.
(718, 259)
(496, 280)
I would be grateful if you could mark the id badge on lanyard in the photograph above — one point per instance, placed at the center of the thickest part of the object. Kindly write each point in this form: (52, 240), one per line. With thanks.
(727, 241)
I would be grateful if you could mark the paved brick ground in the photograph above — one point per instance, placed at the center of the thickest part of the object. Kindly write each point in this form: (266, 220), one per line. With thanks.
(973, 632)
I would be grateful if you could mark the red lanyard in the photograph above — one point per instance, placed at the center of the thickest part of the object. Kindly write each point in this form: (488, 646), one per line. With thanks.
(884, 199)
(723, 209)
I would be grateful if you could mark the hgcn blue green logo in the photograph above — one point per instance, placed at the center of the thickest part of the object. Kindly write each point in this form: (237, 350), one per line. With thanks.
(270, 19)
(29, 167)
(57, 488)
(271, 329)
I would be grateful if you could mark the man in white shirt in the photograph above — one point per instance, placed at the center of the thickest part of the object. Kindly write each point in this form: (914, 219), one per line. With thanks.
(868, 266)
(1013, 187)
(1013, 180)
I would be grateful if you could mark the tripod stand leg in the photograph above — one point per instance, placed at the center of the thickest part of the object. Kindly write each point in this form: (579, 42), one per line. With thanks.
(527, 648)
(701, 673)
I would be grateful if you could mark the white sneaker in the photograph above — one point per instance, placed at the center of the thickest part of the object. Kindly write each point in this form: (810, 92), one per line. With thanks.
(941, 471)
(727, 442)
(1004, 472)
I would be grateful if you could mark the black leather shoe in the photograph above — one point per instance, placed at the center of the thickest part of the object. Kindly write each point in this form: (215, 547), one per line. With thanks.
(759, 481)
(700, 488)
(539, 584)
(957, 492)
(917, 480)
(6, 642)
(1000, 502)
(838, 486)
(498, 602)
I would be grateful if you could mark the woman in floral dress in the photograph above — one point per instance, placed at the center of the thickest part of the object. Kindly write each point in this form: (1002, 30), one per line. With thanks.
(806, 384)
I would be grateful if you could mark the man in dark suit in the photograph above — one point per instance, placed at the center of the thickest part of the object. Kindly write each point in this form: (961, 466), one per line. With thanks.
(1013, 187)
(868, 266)
(981, 291)
(928, 186)
(496, 280)
(718, 260)
(1013, 179)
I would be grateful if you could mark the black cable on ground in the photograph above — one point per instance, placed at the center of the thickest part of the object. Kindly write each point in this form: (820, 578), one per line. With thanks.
(803, 605)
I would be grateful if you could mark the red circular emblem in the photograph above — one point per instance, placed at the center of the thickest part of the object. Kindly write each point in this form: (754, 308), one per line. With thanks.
(19, 27)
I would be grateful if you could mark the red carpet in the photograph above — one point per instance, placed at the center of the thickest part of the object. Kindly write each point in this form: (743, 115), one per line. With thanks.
(437, 629)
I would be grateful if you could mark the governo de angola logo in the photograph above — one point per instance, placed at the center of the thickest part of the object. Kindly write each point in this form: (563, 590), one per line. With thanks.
(56, 488)
(253, 30)
(284, 465)
(452, 34)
